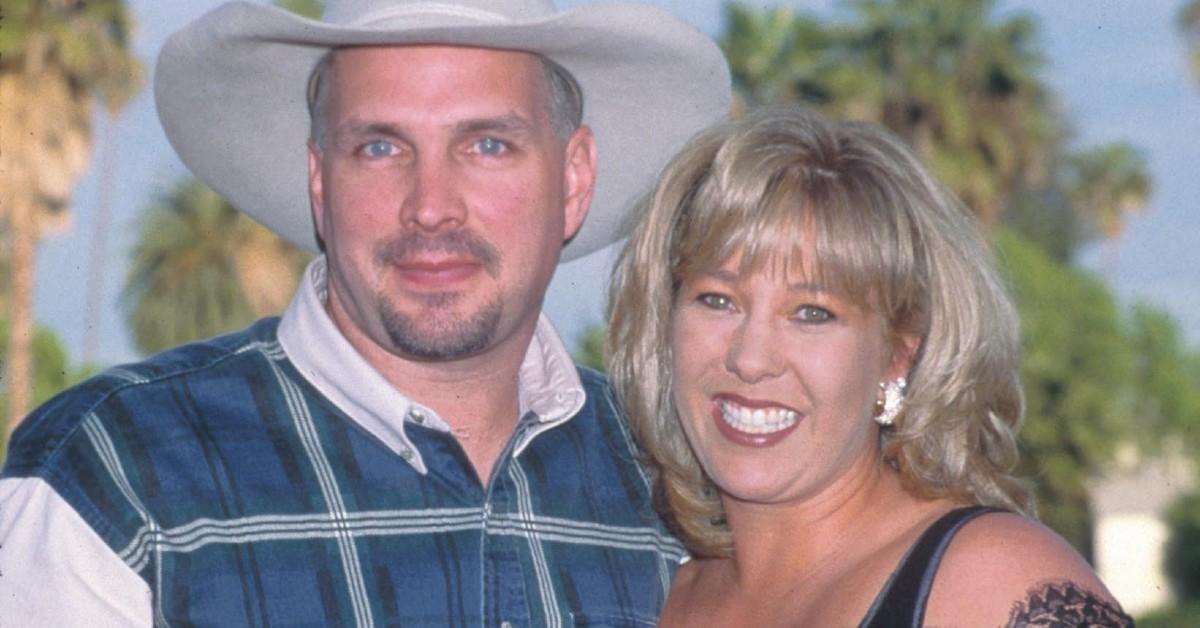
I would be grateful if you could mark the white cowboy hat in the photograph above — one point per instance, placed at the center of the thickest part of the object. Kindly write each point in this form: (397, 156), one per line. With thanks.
(231, 91)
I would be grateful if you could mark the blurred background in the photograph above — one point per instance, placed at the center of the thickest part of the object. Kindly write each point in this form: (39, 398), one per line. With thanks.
(1069, 127)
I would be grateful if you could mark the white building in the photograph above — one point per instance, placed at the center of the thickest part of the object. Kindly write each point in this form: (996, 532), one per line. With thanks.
(1130, 533)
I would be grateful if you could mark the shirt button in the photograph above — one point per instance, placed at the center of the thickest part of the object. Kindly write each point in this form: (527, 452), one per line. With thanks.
(506, 624)
(407, 454)
(418, 417)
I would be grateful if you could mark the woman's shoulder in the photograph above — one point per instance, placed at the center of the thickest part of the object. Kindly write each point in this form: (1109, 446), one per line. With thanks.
(1006, 569)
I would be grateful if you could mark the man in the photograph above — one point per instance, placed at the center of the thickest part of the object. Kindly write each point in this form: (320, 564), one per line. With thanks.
(410, 443)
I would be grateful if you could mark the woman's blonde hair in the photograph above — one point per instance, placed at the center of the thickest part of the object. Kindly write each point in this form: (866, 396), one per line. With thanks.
(887, 235)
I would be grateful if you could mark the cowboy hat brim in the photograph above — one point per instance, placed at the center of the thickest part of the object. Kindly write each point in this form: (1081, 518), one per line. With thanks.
(231, 94)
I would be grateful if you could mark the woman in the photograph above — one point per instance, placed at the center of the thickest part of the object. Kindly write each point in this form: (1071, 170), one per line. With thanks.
(821, 363)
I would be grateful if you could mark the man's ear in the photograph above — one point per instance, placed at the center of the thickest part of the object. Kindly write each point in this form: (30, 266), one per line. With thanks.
(316, 190)
(579, 179)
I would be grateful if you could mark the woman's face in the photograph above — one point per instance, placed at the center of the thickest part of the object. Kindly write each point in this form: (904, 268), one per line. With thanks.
(776, 379)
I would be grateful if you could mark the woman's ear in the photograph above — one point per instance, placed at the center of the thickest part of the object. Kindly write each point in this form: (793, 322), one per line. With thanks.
(904, 353)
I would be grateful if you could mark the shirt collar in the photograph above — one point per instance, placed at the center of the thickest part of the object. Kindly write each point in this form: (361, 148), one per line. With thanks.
(548, 384)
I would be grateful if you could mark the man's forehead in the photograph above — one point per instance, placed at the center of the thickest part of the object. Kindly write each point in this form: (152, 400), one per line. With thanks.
(440, 85)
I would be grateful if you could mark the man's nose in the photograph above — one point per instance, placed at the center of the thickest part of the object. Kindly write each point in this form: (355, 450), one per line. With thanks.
(433, 201)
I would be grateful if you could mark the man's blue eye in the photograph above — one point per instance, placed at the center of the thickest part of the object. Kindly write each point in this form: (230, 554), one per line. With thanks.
(379, 148)
(490, 146)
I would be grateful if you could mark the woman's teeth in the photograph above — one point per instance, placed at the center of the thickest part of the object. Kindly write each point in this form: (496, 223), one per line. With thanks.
(757, 420)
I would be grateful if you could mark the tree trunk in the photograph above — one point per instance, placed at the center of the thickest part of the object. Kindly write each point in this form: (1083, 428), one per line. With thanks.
(19, 367)
(24, 131)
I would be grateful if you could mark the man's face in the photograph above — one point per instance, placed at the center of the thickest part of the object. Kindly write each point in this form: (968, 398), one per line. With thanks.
(443, 197)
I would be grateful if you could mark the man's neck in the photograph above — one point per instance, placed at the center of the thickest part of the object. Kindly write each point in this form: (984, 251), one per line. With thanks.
(477, 396)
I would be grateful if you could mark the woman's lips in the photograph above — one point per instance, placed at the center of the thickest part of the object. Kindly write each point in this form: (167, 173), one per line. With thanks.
(753, 423)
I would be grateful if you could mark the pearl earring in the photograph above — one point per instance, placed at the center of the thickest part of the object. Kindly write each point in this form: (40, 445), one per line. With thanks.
(893, 399)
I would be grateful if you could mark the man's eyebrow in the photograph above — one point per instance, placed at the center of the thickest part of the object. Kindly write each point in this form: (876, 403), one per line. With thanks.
(360, 128)
(508, 123)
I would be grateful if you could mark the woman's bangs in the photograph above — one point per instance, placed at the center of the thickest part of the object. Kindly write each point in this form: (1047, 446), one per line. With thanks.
(807, 223)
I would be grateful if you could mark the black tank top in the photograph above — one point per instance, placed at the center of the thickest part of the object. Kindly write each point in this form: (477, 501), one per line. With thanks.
(902, 600)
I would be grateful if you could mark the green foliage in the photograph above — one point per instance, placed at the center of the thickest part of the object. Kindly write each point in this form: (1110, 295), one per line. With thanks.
(1182, 552)
(777, 56)
(1076, 368)
(1107, 183)
(1166, 384)
(307, 8)
(1089, 196)
(589, 349)
(957, 83)
(180, 284)
(52, 370)
(1045, 218)
(190, 273)
(16, 28)
(960, 84)
(1183, 615)
(89, 42)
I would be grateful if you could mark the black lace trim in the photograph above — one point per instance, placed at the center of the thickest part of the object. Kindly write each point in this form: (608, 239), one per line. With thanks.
(1065, 605)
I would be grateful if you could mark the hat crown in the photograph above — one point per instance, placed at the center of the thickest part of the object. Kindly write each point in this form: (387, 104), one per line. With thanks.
(381, 12)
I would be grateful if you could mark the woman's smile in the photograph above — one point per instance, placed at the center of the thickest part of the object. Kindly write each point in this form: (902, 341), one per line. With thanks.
(753, 424)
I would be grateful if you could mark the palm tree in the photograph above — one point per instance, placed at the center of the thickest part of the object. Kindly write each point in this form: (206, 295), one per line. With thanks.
(1106, 185)
(56, 58)
(777, 56)
(201, 268)
(960, 87)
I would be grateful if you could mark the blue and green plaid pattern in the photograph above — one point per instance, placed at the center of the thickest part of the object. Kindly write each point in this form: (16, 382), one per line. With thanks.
(245, 498)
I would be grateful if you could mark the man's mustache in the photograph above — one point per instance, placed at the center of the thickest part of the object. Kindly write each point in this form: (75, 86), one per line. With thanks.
(461, 243)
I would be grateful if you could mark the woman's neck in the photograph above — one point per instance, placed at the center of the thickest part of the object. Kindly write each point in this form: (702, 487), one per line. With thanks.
(783, 546)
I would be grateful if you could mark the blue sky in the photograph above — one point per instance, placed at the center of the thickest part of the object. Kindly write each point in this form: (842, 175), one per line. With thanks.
(1118, 66)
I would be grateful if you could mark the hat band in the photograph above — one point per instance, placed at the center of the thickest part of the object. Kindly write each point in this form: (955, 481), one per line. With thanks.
(405, 14)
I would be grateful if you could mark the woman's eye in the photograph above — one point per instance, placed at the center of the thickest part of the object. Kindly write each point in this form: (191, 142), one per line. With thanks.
(490, 146)
(715, 301)
(379, 148)
(813, 314)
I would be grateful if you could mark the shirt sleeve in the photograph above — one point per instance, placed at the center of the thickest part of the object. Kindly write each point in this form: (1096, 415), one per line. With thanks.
(55, 570)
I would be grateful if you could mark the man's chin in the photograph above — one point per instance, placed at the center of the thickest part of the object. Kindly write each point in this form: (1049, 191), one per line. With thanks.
(441, 336)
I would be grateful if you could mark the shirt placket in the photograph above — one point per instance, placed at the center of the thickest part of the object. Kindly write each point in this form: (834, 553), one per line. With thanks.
(505, 553)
